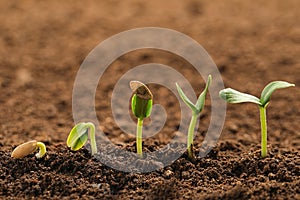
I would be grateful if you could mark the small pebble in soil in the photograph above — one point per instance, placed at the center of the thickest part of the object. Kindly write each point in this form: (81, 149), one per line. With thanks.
(168, 173)
(185, 174)
(271, 176)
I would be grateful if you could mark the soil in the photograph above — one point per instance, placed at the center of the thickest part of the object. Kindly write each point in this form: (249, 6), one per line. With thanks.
(43, 43)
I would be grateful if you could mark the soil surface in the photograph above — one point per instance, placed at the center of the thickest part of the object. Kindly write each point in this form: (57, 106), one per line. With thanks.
(42, 45)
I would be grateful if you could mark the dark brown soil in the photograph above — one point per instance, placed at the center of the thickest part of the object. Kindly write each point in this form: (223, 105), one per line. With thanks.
(43, 43)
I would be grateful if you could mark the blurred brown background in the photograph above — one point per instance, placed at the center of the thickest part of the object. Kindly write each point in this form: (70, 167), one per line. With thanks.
(42, 44)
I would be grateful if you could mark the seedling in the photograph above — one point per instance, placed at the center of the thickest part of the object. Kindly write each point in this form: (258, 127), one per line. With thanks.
(29, 147)
(233, 96)
(141, 106)
(196, 110)
(79, 135)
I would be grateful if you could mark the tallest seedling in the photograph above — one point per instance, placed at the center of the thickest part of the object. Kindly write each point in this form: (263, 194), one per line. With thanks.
(233, 96)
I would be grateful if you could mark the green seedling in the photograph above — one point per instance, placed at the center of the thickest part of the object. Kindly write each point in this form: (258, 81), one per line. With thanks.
(79, 135)
(29, 147)
(141, 106)
(196, 110)
(233, 96)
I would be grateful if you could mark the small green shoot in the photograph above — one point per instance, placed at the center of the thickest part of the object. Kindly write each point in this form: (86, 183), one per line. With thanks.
(196, 110)
(79, 135)
(29, 147)
(141, 106)
(233, 96)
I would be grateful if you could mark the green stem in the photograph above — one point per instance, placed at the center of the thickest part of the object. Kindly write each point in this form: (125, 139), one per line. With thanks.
(42, 149)
(92, 131)
(263, 122)
(191, 136)
(139, 130)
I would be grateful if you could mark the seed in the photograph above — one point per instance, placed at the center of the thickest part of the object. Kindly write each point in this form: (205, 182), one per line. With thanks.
(24, 149)
(141, 90)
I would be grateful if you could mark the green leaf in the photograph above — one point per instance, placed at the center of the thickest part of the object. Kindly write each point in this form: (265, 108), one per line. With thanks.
(141, 108)
(141, 102)
(234, 96)
(149, 108)
(133, 103)
(79, 143)
(270, 88)
(78, 136)
(186, 100)
(201, 100)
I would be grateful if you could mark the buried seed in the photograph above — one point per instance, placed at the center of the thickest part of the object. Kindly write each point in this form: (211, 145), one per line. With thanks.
(28, 148)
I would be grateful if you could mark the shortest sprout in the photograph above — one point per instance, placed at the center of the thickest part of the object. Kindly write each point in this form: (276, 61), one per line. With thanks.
(28, 148)
(79, 135)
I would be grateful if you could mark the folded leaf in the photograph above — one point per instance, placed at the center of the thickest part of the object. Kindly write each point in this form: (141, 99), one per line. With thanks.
(186, 99)
(201, 100)
(78, 135)
(234, 96)
(79, 143)
(141, 108)
(270, 88)
(149, 108)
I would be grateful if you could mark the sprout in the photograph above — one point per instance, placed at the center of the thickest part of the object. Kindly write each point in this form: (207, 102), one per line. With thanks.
(79, 135)
(28, 148)
(233, 96)
(196, 110)
(141, 105)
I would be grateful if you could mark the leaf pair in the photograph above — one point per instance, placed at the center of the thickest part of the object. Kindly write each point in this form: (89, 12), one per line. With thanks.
(198, 107)
(234, 96)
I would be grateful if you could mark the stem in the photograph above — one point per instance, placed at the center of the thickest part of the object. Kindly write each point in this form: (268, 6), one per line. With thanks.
(91, 126)
(191, 136)
(42, 149)
(263, 122)
(139, 130)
